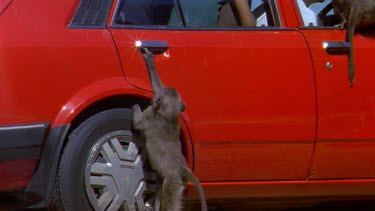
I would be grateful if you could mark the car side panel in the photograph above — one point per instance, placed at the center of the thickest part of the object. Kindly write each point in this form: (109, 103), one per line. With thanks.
(43, 62)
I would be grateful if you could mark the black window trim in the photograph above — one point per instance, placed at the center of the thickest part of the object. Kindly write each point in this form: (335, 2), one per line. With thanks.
(275, 13)
(180, 16)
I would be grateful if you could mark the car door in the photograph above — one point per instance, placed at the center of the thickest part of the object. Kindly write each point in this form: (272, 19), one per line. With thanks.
(249, 92)
(346, 115)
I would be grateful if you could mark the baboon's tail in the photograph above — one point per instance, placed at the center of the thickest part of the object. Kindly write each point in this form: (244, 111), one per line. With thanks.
(197, 185)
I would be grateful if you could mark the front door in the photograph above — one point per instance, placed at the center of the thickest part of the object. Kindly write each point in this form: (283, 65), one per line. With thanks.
(249, 92)
(346, 115)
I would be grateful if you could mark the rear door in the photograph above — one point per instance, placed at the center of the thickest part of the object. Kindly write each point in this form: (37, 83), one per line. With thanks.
(346, 115)
(249, 92)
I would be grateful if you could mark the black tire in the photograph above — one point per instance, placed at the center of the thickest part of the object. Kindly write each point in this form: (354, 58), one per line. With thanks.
(94, 144)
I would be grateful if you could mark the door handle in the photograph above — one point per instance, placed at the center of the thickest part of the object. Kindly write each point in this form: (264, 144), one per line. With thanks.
(155, 46)
(336, 48)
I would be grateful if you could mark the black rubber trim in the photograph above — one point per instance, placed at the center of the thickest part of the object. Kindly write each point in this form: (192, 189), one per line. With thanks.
(22, 136)
(91, 14)
(41, 183)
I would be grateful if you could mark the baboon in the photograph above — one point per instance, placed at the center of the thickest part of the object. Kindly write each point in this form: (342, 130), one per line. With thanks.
(355, 14)
(160, 127)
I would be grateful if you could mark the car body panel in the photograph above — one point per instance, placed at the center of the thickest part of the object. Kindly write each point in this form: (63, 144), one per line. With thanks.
(40, 43)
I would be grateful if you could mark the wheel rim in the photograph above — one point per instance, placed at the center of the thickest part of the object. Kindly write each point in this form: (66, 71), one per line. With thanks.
(116, 174)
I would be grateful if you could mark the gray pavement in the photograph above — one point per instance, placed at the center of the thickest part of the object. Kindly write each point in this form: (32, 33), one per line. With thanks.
(11, 203)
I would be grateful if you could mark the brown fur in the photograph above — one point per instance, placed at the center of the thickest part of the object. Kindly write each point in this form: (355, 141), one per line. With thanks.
(159, 125)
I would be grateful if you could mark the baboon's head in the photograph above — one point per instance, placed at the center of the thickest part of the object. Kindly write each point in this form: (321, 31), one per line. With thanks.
(168, 103)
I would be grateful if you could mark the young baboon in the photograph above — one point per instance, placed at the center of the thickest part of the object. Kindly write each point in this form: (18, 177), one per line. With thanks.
(355, 14)
(160, 127)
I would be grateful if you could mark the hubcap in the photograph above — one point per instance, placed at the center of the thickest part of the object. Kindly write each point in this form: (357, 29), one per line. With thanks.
(117, 176)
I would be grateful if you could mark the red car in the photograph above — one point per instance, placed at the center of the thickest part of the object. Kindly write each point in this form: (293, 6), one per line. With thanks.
(269, 110)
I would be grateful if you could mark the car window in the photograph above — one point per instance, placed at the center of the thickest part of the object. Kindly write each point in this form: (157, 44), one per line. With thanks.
(196, 13)
(317, 13)
(143, 12)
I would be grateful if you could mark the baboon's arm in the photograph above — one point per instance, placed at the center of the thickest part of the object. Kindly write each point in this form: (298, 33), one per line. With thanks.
(152, 73)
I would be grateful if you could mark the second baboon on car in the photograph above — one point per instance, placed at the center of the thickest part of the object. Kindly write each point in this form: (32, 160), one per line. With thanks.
(160, 127)
(355, 14)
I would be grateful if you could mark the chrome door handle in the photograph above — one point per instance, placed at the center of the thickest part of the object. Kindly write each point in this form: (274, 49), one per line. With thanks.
(155, 46)
(336, 48)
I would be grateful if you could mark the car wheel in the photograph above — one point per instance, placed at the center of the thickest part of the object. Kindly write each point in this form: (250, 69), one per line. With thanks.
(103, 167)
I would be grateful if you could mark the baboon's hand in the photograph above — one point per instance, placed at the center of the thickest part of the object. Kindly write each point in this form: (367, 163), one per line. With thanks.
(148, 55)
(136, 110)
(136, 115)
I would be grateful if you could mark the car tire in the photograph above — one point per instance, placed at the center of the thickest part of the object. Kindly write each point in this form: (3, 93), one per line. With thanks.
(103, 167)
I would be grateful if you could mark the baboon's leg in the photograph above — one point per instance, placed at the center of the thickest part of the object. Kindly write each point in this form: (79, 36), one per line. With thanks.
(340, 15)
(343, 21)
(158, 195)
(172, 194)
